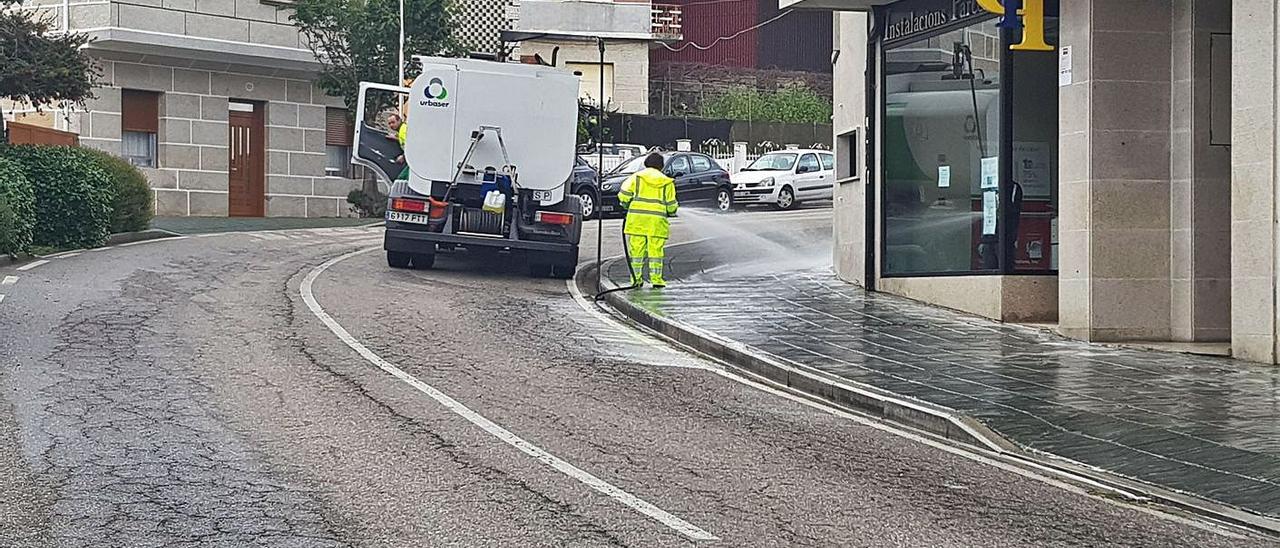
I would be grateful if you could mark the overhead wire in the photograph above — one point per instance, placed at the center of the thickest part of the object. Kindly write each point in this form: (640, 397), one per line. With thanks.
(686, 45)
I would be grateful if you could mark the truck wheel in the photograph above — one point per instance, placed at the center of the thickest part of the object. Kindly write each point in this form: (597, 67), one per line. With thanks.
(424, 261)
(396, 259)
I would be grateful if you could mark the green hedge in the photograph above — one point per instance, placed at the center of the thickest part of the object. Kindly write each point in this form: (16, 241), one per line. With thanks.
(133, 207)
(73, 194)
(17, 209)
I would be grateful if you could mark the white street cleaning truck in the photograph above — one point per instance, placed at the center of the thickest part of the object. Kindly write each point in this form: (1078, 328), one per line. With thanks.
(490, 148)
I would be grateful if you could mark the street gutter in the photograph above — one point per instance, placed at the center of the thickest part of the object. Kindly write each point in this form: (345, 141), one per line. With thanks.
(917, 416)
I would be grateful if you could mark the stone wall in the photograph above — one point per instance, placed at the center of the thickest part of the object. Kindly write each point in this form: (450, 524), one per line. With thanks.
(191, 178)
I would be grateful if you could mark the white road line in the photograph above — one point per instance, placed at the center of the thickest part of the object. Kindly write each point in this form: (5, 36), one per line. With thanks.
(103, 248)
(32, 265)
(9, 280)
(683, 527)
(69, 255)
(1, 297)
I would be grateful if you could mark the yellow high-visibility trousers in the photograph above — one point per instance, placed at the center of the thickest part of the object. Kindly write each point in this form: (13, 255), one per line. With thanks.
(647, 252)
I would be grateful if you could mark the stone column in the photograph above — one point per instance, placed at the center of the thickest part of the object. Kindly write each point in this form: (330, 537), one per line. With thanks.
(739, 155)
(1114, 164)
(1253, 180)
(849, 122)
(1200, 163)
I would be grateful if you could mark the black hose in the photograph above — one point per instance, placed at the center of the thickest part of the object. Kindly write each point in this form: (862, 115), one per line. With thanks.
(626, 251)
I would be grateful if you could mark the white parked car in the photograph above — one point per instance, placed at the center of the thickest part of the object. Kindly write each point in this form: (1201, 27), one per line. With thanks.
(786, 178)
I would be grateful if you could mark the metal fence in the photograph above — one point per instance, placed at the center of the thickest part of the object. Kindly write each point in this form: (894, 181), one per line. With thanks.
(727, 155)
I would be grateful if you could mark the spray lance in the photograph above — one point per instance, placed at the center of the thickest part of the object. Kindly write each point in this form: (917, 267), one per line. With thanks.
(600, 292)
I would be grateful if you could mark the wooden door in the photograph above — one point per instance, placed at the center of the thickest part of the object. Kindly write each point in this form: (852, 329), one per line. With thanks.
(247, 167)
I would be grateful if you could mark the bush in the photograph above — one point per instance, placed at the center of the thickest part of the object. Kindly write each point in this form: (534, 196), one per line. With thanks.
(133, 206)
(371, 204)
(73, 195)
(17, 209)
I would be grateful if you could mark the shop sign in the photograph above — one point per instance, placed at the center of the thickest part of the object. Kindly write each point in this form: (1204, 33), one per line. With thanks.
(919, 18)
(913, 19)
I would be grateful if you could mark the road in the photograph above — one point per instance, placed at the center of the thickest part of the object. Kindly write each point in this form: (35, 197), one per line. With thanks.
(288, 389)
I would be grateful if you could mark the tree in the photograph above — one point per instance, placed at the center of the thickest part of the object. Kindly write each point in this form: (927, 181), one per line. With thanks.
(359, 41)
(39, 66)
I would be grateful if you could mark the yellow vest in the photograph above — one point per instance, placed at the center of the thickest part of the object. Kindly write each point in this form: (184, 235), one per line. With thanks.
(402, 133)
(650, 197)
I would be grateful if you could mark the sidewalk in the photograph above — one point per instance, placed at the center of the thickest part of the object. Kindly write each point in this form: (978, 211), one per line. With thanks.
(1203, 426)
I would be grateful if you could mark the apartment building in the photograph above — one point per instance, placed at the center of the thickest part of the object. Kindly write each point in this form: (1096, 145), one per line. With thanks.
(565, 31)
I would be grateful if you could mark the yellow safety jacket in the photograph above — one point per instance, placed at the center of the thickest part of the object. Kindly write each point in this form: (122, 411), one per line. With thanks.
(650, 197)
(402, 134)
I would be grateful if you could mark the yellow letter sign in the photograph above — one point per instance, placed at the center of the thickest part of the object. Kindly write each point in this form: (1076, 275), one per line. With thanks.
(1032, 13)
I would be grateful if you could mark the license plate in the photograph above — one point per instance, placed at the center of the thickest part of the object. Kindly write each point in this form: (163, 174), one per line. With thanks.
(606, 208)
(402, 217)
(542, 195)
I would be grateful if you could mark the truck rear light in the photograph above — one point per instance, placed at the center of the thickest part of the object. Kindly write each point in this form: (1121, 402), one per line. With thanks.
(553, 218)
(438, 208)
(405, 204)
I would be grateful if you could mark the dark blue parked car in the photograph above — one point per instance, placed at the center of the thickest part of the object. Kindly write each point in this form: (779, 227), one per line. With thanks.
(700, 181)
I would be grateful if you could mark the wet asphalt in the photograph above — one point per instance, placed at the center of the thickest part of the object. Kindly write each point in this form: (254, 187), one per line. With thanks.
(182, 393)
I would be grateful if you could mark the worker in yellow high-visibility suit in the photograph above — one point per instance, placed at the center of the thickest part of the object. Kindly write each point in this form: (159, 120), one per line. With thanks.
(650, 198)
(399, 133)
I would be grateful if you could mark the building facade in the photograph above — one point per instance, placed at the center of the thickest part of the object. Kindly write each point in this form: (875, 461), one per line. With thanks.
(564, 32)
(798, 40)
(1118, 178)
(214, 101)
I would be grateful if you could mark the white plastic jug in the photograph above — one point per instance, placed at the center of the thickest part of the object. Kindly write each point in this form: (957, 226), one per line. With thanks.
(495, 202)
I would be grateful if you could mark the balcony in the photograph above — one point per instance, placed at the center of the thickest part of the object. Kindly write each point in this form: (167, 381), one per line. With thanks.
(593, 18)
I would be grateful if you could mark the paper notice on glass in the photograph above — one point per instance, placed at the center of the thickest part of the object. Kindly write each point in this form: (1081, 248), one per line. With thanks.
(1031, 168)
(990, 172)
(989, 208)
(944, 176)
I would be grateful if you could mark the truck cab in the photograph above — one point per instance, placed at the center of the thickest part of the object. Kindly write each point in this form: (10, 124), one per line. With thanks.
(490, 149)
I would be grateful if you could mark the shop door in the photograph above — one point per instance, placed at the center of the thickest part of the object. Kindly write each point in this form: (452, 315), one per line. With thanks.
(246, 173)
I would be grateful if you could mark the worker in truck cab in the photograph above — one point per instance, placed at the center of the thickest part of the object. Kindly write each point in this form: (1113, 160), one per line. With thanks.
(399, 130)
(650, 199)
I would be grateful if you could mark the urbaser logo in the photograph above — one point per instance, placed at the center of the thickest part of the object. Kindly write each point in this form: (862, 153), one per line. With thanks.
(435, 93)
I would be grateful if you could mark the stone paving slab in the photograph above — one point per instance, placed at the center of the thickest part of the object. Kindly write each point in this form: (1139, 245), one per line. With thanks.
(1200, 425)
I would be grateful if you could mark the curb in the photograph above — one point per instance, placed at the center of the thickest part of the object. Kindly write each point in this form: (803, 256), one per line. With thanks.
(112, 240)
(143, 235)
(922, 417)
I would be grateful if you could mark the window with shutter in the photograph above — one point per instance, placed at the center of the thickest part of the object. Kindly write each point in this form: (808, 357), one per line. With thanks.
(337, 128)
(337, 140)
(139, 124)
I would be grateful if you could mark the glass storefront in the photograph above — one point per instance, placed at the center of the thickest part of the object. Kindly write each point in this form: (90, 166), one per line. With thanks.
(968, 184)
